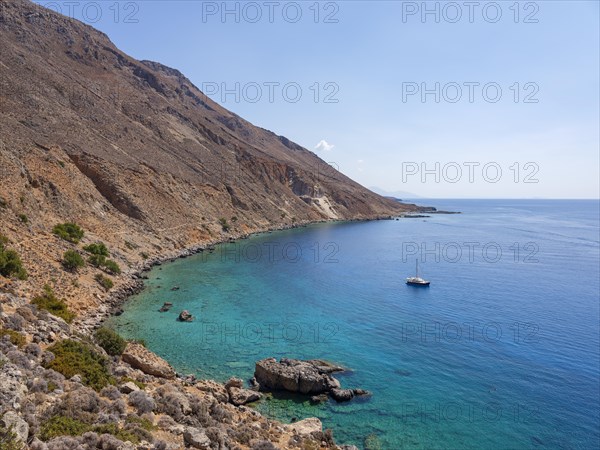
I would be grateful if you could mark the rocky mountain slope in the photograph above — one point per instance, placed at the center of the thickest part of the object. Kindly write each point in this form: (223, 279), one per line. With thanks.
(137, 155)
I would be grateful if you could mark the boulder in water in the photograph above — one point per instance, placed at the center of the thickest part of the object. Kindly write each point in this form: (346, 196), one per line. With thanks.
(185, 316)
(165, 307)
(305, 377)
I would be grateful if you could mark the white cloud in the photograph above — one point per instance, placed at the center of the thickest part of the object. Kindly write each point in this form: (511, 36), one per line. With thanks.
(324, 146)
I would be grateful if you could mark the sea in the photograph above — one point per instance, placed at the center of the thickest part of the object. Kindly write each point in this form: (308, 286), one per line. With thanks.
(501, 351)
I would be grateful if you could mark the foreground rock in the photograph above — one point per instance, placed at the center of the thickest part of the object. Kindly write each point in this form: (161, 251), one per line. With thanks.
(305, 377)
(138, 411)
(193, 437)
(345, 395)
(239, 396)
(143, 359)
(12, 421)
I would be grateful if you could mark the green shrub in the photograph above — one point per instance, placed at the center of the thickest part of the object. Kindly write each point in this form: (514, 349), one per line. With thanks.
(76, 358)
(110, 341)
(112, 267)
(15, 338)
(69, 232)
(49, 302)
(66, 426)
(105, 282)
(72, 260)
(3, 203)
(23, 218)
(141, 422)
(62, 426)
(144, 255)
(224, 225)
(139, 384)
(97, 260)
(113, 428)
(10, 261)
(98, 248)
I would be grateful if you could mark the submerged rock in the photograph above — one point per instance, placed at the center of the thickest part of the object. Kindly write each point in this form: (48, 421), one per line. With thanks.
(165, 307)
(316, 399)
(344, 395)
(185, 316)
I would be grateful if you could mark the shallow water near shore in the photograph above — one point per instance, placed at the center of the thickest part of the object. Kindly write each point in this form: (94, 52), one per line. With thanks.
(502, 351)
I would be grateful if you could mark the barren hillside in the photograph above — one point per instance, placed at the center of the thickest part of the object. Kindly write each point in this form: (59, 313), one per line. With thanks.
(134, 153)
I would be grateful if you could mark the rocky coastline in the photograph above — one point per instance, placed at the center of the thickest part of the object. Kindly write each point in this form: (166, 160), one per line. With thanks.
(142, 378)
(133, 280)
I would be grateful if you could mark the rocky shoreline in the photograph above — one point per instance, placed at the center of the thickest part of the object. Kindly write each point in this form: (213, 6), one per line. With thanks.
(137, 367)
(146, 385)
(134, 278)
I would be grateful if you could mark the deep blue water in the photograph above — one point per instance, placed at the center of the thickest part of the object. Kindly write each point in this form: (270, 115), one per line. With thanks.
(502, 351)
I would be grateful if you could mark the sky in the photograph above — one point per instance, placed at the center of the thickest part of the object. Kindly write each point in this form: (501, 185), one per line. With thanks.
(438, 99)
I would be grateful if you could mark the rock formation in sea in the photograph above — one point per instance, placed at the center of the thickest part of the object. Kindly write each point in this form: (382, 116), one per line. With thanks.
(313, 378)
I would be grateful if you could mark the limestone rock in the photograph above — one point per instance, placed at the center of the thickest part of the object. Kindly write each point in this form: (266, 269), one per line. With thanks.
(143, 359)
(217, 390)
(306, 427)
(12, 420)
(129, 387)
(196, 438)
(12, 386)
(294, 375)
(234, 382)
(239, 396)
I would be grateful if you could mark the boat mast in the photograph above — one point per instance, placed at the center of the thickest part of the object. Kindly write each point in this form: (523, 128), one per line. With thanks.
(417, 268)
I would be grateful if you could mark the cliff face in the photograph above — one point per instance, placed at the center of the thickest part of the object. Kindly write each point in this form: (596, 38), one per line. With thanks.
(136, 154)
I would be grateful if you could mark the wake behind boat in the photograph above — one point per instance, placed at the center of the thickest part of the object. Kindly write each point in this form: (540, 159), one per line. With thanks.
(417, 280)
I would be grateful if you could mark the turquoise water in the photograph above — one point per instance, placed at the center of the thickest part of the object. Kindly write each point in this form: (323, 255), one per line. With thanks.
(502, 351)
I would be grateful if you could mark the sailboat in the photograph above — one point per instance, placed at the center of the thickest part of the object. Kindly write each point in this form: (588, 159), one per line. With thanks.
(417, 280)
